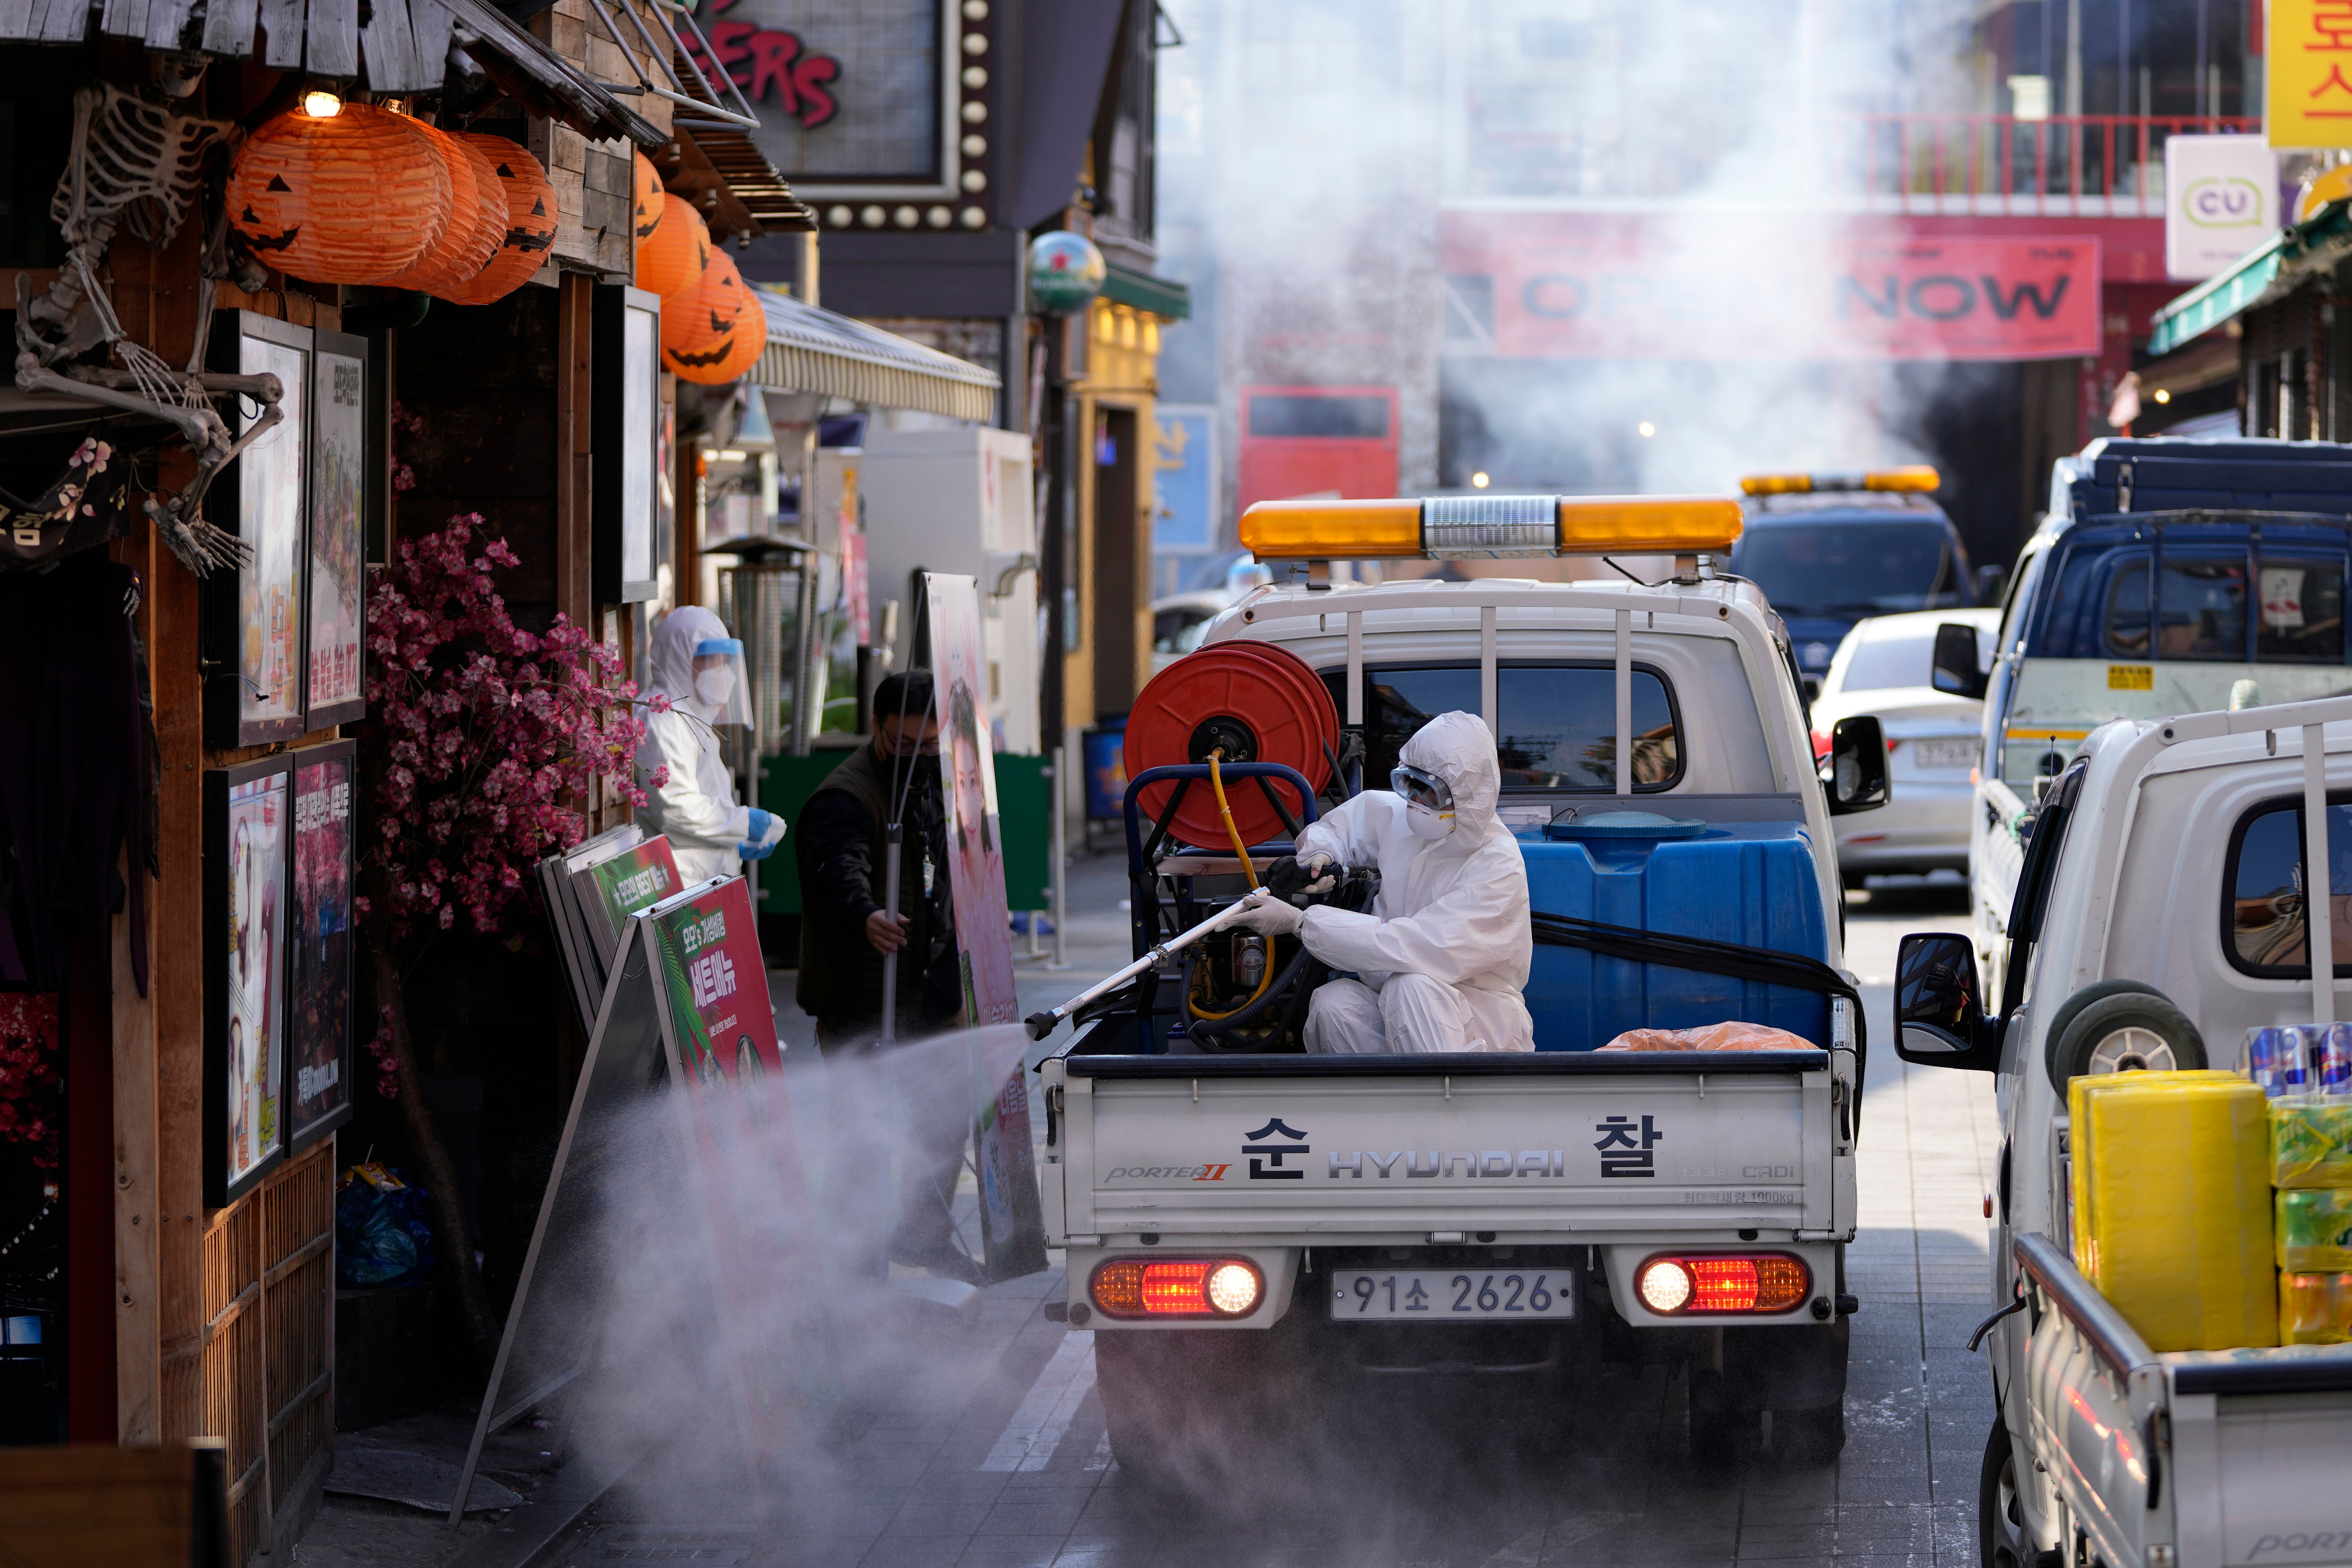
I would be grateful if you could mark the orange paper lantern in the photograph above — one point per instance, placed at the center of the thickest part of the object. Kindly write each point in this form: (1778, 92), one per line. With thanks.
(478, 214)
(743, 345)
(674, 259)
(356, 196)
(650, 197)
(698, 326)
(530, 227)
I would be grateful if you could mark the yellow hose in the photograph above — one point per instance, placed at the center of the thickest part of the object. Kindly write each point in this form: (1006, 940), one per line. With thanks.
(1265, 978)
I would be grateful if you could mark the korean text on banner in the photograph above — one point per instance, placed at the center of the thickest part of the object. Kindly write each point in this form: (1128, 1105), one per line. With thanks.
(718, 1035)
(2308, 96)
(1010, 1219)
(2221, 200)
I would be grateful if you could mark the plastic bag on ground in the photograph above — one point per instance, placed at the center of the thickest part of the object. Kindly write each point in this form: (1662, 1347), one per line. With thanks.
(382, 1237)
(1732, 1036)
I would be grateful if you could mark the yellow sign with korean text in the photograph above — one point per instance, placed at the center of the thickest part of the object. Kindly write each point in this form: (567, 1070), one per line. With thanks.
(2310, 76)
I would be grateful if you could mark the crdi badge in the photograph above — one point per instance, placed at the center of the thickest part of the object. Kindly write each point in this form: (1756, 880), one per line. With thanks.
(2221, 200)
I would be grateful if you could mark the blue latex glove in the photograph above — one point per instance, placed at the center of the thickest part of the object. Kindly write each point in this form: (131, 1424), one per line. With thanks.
(767, 831)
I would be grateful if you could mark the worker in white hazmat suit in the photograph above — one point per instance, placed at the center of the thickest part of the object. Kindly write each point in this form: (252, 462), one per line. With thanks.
(689, 793)
(1440, 963)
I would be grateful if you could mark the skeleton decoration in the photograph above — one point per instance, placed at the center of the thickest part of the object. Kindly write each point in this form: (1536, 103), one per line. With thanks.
(139, 166)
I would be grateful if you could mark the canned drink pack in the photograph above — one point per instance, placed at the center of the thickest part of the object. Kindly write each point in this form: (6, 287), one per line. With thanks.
(2314, 1309)
(2277, 1057)
(2328, 1059)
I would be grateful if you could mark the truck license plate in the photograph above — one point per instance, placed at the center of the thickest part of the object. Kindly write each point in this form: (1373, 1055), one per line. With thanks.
(1944, 754)
(1454, 1294)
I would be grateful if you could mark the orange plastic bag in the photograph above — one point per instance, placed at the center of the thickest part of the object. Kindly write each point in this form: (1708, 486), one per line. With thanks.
(1726, 1036)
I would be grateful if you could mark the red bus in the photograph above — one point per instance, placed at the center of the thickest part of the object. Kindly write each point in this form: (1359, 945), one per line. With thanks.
(1318, 440)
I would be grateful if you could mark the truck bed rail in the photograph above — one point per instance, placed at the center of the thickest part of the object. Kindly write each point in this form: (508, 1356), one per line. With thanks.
(1450, 1064)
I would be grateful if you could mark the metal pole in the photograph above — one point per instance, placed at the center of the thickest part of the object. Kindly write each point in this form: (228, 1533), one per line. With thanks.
(890, 960)
(1055, 852)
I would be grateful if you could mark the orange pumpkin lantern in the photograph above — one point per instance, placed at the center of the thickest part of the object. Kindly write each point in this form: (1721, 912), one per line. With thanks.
(529, 222)
(675, 258)
(743, 345)
(698, 326)
(356, 196)
(477, 213)
(650, 197)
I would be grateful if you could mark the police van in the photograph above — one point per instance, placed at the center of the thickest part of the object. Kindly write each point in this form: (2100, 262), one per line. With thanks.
(2168, 576)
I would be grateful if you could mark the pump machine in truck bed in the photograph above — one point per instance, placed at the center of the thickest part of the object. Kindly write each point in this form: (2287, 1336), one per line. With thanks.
(1252, 1229)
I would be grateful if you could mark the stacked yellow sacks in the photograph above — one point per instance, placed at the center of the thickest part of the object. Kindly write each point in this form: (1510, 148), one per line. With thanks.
(2172, 1206)
(2311, 1166)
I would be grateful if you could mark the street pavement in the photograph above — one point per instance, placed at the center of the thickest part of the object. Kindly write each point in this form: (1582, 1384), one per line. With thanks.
(991, 1452)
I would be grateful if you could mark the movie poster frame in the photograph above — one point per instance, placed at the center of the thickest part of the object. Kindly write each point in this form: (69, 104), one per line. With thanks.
(220, 1188)
(349, 346)
(226, 721)
(616, 370)
(298, 1138)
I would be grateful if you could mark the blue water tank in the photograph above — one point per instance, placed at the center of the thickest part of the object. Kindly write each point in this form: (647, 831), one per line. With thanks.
(1748, 882)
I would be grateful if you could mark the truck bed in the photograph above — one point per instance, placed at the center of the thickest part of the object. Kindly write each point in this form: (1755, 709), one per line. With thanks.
(1532, 1147)
(2188, 1459)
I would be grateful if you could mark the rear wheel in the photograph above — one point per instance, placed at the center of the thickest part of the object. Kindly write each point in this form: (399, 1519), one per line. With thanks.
(1206, 1414)
(2000, 1519)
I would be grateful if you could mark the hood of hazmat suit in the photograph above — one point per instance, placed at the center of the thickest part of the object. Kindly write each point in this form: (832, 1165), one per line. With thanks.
(1452, 906)
(694, 801)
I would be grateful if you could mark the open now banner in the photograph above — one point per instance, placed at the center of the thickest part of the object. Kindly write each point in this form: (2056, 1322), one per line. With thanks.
(1561, 286)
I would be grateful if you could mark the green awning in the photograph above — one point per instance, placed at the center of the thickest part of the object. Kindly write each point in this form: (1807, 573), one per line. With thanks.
(1163, 297)
(2264, 274)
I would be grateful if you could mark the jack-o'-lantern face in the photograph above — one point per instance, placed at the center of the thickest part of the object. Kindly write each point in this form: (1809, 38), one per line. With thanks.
(256, 231)
(650, 194)
(530, 223)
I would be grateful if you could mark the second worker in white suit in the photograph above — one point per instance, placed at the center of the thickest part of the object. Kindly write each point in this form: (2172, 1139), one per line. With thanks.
(1441, 962)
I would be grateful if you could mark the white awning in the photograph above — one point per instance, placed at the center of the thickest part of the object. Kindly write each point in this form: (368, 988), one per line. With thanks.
(812, 349)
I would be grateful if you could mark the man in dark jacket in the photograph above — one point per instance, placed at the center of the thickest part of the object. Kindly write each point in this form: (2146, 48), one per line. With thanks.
(841, 845)
(842, 848)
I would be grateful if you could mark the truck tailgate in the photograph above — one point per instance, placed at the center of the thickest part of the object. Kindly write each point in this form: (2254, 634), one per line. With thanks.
(1571, 1143)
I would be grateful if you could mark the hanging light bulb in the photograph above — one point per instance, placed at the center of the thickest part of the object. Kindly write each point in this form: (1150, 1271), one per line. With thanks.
(321, 104)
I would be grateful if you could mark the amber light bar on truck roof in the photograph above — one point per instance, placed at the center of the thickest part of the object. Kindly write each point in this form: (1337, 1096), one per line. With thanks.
(1917, 480)
(1490, 527)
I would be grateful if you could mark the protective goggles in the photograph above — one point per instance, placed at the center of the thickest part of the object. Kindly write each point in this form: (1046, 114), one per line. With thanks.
(1418, 786)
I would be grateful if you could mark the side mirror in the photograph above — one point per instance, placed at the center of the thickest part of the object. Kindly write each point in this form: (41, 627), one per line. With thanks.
(1991, 583)
(1939, 1019)
(1957, 671)
(1855, 773)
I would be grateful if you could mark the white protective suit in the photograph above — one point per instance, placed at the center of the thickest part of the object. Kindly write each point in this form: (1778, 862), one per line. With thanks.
(1441, 959)
(695, 805)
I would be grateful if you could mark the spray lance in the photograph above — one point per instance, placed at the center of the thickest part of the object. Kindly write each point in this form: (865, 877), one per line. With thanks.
(1043, 1023)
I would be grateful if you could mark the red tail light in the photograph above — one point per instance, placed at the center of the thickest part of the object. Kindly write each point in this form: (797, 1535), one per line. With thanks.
(1820, 745)
(1177, 1288)
(1761, 1283)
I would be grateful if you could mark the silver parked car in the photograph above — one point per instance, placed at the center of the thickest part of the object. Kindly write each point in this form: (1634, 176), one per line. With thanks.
(1883, 666)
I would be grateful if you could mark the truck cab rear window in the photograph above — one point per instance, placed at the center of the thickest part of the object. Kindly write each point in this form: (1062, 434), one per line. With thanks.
(2278, 603)
(1558, 720)
(2262, 929)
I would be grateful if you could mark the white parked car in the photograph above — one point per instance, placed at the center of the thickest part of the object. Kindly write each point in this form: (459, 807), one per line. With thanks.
(1883, 667)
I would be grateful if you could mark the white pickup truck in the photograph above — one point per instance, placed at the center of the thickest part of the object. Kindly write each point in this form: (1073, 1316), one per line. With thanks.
(1249, 1231)
(2159, 915)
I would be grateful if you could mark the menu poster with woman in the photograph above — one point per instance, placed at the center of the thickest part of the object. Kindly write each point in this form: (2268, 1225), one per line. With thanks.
(249, 821)
(319, 942)
(268, 663)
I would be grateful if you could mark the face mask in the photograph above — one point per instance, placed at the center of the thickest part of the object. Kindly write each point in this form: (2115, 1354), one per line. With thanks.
(715, 686)
(1426, 824)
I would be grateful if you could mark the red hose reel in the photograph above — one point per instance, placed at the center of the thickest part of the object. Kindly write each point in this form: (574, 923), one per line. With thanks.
(1253, 701)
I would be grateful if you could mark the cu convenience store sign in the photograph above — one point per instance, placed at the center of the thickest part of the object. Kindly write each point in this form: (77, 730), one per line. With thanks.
(1556, 285)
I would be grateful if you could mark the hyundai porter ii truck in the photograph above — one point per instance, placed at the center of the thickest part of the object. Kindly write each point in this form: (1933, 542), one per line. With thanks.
(1257, 1236)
